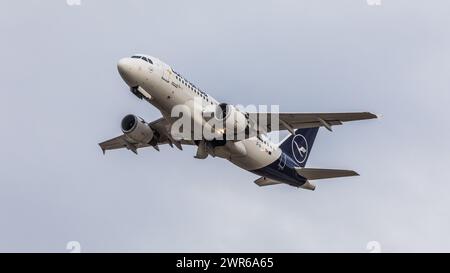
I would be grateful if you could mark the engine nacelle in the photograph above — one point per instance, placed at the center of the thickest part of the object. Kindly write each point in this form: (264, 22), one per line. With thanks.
(137, 129)
(232, 118)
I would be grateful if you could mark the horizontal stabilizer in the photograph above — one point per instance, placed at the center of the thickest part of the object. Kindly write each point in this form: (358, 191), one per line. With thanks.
(263, 181)
(314, 174)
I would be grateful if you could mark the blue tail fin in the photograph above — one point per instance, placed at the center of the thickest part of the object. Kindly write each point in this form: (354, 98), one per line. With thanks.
(299, 146)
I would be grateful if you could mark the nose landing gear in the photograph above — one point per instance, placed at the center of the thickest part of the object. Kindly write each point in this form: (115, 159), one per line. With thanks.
(135, 91)
(140, 93)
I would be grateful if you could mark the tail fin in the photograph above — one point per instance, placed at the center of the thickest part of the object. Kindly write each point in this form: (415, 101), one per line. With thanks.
(299, 146)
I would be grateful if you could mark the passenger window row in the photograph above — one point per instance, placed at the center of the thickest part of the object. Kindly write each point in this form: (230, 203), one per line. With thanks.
(192, 87)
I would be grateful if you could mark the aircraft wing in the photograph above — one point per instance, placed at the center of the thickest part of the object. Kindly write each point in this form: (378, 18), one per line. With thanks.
(119, 142)
(160, 125)
(292, 121)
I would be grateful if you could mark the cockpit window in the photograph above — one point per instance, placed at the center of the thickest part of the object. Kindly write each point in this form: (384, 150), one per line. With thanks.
(148, 60)
(143, 58)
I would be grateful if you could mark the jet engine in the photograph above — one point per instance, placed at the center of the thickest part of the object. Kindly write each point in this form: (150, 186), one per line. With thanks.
(137, 129)
(232, 118)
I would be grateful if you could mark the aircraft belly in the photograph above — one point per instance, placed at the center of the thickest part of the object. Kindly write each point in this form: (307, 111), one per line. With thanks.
(256, 157)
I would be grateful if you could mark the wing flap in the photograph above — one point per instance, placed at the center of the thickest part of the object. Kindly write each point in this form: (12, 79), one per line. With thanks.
(121, 142)
(314, 174)
(113, 143)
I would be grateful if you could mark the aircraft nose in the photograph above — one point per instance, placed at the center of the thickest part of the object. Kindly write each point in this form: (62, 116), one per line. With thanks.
(126, 69)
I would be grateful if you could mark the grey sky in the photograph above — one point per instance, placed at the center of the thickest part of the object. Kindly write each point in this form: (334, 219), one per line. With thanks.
(61, 95)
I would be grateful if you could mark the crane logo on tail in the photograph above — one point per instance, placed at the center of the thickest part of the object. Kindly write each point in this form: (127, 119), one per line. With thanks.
(299, 148)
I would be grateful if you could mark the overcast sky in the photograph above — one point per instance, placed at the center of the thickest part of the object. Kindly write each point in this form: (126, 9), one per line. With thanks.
(61, 94)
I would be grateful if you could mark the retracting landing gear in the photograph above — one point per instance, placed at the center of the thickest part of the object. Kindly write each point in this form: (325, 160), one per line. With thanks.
(140, 93)
(201, 150)
(136, 92)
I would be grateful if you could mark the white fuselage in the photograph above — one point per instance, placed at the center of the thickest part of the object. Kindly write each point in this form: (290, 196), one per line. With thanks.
(165, 89)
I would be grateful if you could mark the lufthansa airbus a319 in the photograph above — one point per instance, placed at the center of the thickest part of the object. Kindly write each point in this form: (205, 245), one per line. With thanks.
(247, 146)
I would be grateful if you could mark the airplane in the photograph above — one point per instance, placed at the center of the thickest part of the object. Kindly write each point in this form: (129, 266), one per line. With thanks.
(152, 80)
